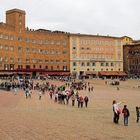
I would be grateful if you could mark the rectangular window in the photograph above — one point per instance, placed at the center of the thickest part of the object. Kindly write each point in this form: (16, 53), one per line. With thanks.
(40, 51)
(102, 64)
(40, 42)
(93, 64)
(64, 61)
(106, 64)
(82, 42)
(82, 64)
(5, 36)
(19, 60)
(64, 68)
(74, 63)
(57, 52)
(82, 56)
(20, 66)
(27, 60)
(57, 42)
(19, 49)
(46, 42)
(46, 61)
(46, 52)
(101, 43)
(33, 50)
(40, 61)
(11, 48)
(51, 60)
(112, 64)
(106, 43)
(34, 41)
(51, 52)
(12, 37)
(88, 56)
(27, 50)
(88, 63)
(6, 66)
(33, 61)
(1, 36)
(27, 66)
(12, 60)
(27, 40)
(111, 43)
(64, 52)
(6, 47)
(73, 55)
(19, 39)
(87, 42)
(0, 59)
(51, 42)
(64, 43)
(57, 60)
(1, 46)
(96, 42)
(6, 59)
(74, 42)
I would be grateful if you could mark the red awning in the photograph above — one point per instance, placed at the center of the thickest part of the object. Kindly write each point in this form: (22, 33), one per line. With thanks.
(121, 73)
(6, 73)
(112, 73)
(91, 73)
(23, 73)
(55, 73)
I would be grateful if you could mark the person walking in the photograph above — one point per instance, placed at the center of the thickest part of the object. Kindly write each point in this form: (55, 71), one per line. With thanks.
(89, 89)
(73, 99)
(78, 100)
(51, 94)
(40, 94)
(126, 114)
(86, 101)
(137, 113)
(81, 101)
(92, 88)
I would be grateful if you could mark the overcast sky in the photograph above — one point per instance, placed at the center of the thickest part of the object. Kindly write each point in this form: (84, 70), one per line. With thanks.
(103, 17)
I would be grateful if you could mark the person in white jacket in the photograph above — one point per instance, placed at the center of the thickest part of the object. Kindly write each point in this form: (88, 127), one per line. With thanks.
(116, 111)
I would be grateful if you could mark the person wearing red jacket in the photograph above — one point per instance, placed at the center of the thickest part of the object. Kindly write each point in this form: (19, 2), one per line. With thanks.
(81, 101)
(126, 114)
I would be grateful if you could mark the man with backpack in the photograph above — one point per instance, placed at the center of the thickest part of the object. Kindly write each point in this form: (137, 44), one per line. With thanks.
(126, 114)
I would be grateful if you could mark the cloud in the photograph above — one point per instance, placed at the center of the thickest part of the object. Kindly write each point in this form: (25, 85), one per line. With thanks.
(116, 18)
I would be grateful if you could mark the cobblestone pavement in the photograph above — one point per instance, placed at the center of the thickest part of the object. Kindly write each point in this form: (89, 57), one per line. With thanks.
(34, 119)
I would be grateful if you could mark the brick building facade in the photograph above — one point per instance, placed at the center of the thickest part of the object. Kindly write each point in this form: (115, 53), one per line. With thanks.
(132, 59)
(27, 50)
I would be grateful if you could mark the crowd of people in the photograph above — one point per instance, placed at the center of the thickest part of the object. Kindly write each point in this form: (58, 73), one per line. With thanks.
(69, 93)
(62, 94)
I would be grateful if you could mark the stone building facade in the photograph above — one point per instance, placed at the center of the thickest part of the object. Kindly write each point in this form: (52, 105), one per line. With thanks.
(96, 55)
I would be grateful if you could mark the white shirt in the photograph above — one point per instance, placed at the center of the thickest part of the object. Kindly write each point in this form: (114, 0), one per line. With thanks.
(116, 107)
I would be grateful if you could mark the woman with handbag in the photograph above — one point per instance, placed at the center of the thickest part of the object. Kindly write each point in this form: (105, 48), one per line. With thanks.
(116, 111)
